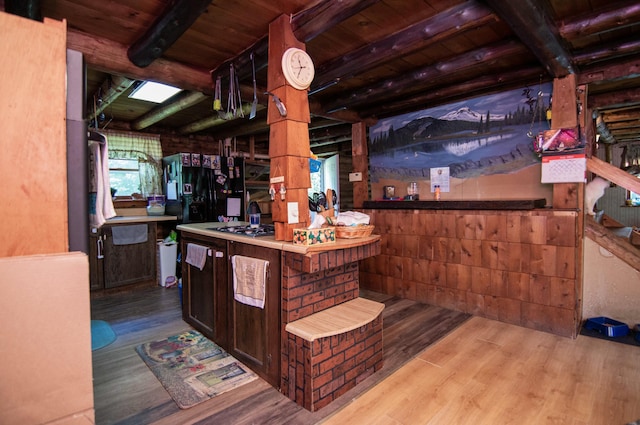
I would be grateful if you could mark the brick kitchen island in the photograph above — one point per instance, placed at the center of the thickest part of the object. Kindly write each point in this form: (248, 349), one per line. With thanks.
(329, 338)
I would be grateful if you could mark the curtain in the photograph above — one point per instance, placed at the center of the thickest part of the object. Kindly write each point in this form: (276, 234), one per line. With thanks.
(146, 149)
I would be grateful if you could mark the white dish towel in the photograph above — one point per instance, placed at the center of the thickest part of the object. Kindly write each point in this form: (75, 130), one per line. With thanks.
(196, 255)
(249, 278)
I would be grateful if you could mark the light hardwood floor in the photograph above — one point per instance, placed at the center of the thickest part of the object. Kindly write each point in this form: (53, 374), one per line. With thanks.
(487, 372)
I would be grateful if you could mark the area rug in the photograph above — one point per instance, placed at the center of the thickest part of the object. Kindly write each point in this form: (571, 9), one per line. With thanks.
(192, 368)
(101, 334)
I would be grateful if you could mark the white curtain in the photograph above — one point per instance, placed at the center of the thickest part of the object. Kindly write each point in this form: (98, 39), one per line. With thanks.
(146, 149)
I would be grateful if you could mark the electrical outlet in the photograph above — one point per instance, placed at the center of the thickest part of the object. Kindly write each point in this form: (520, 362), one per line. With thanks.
(355, 177)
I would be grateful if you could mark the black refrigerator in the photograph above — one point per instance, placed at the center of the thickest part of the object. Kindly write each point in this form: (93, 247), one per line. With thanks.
(203, 188)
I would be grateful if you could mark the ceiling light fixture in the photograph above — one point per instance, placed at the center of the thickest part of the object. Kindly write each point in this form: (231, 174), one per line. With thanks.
(153, 92)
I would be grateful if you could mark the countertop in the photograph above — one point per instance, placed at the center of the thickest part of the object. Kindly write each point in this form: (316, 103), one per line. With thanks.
(270, 241)
(505, 204)
(140, 219)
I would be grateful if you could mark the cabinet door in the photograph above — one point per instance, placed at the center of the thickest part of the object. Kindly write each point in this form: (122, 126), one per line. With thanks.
(255, 332)
(126, 264)
(204, 291)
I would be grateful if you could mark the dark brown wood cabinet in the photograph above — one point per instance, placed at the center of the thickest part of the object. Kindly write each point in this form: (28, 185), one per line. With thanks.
(255, 332)
(250, 334)
(112, 266)
(205, 292)
(132, 263)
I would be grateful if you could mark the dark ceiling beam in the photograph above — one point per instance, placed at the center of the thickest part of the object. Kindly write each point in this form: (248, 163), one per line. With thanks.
(412, 82)
(183, 101)
(616, 15)
(615, 99)
(622, 70)
(533, 26)
(306, 25)
(428, 32)
(111, 57)
(607, 52)
(309, 23)
(177, 17)
(30, 9)
(110, 90)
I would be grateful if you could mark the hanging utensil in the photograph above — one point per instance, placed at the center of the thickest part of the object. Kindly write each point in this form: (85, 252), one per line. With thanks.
(239, 111)
(231, 103)
(254, 105)
(217, 95)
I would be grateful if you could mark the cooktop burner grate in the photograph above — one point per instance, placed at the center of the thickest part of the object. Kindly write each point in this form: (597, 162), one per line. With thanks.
(262, 230)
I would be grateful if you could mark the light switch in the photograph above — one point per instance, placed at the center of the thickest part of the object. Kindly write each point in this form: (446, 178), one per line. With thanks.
(355, 177)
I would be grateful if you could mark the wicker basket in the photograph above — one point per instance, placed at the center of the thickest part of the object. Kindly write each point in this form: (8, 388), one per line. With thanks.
(352, 232)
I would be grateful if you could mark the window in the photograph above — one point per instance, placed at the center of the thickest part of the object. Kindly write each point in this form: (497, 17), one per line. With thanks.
(124, 175)
(135, 163)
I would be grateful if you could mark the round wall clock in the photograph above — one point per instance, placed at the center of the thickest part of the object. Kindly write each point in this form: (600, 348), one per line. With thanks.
(297, 68)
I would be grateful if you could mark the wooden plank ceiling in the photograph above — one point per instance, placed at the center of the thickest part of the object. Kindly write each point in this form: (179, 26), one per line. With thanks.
(374, 58)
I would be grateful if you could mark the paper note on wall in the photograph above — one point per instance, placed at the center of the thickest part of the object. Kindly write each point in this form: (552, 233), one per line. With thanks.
(172, 190)
(233, 207)
(564, 168)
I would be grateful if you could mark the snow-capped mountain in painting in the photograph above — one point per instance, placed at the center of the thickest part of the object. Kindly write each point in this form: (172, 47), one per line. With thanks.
(467, 114)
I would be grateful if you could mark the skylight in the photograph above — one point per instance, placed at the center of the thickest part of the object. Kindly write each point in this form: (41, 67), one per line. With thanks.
(153, 92)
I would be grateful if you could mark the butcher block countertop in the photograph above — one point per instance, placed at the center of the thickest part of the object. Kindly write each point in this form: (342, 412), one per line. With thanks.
(140, 219)
(336, 320)
(270, 241)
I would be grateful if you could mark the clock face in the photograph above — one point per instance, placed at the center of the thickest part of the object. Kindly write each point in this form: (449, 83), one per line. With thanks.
(297, 68)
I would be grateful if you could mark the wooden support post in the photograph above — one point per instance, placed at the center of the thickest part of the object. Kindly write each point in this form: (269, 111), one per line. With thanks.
(359, 160)
(564, 114)
(289, 147)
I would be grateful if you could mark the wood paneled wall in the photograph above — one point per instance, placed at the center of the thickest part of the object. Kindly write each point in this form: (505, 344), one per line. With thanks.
(519, 267)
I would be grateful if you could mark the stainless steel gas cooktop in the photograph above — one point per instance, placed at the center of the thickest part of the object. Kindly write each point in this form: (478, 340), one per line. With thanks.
(262, 230)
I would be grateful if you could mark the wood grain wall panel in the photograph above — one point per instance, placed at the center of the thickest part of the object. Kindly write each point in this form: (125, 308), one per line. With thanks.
(517, 286)
(533, 229)
(426, 247)
(394, 244)
(496, 227)
(420, 270)
(410, 245)
(395, 266)
(500, 265)
(510, 311)
(559, 231)
(562, 293)
(481, 280)
(437, 273)
(540, 289)
(566, 262)
(490, 252)
(471, 252)
(499, 283)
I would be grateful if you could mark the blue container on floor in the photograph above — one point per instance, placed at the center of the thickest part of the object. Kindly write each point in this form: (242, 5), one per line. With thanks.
(606, 326)
(180, 291)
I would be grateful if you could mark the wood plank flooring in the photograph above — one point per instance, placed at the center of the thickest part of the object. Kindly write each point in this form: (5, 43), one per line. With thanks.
(482, 372)
(126, 392)
(487, 372)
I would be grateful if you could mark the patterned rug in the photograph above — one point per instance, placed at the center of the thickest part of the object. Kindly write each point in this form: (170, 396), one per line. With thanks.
(192, 368)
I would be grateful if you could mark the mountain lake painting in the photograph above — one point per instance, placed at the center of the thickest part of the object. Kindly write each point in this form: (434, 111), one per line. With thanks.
(481, 136)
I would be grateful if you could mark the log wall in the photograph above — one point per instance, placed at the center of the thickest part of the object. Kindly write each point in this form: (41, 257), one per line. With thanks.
(519, 267)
